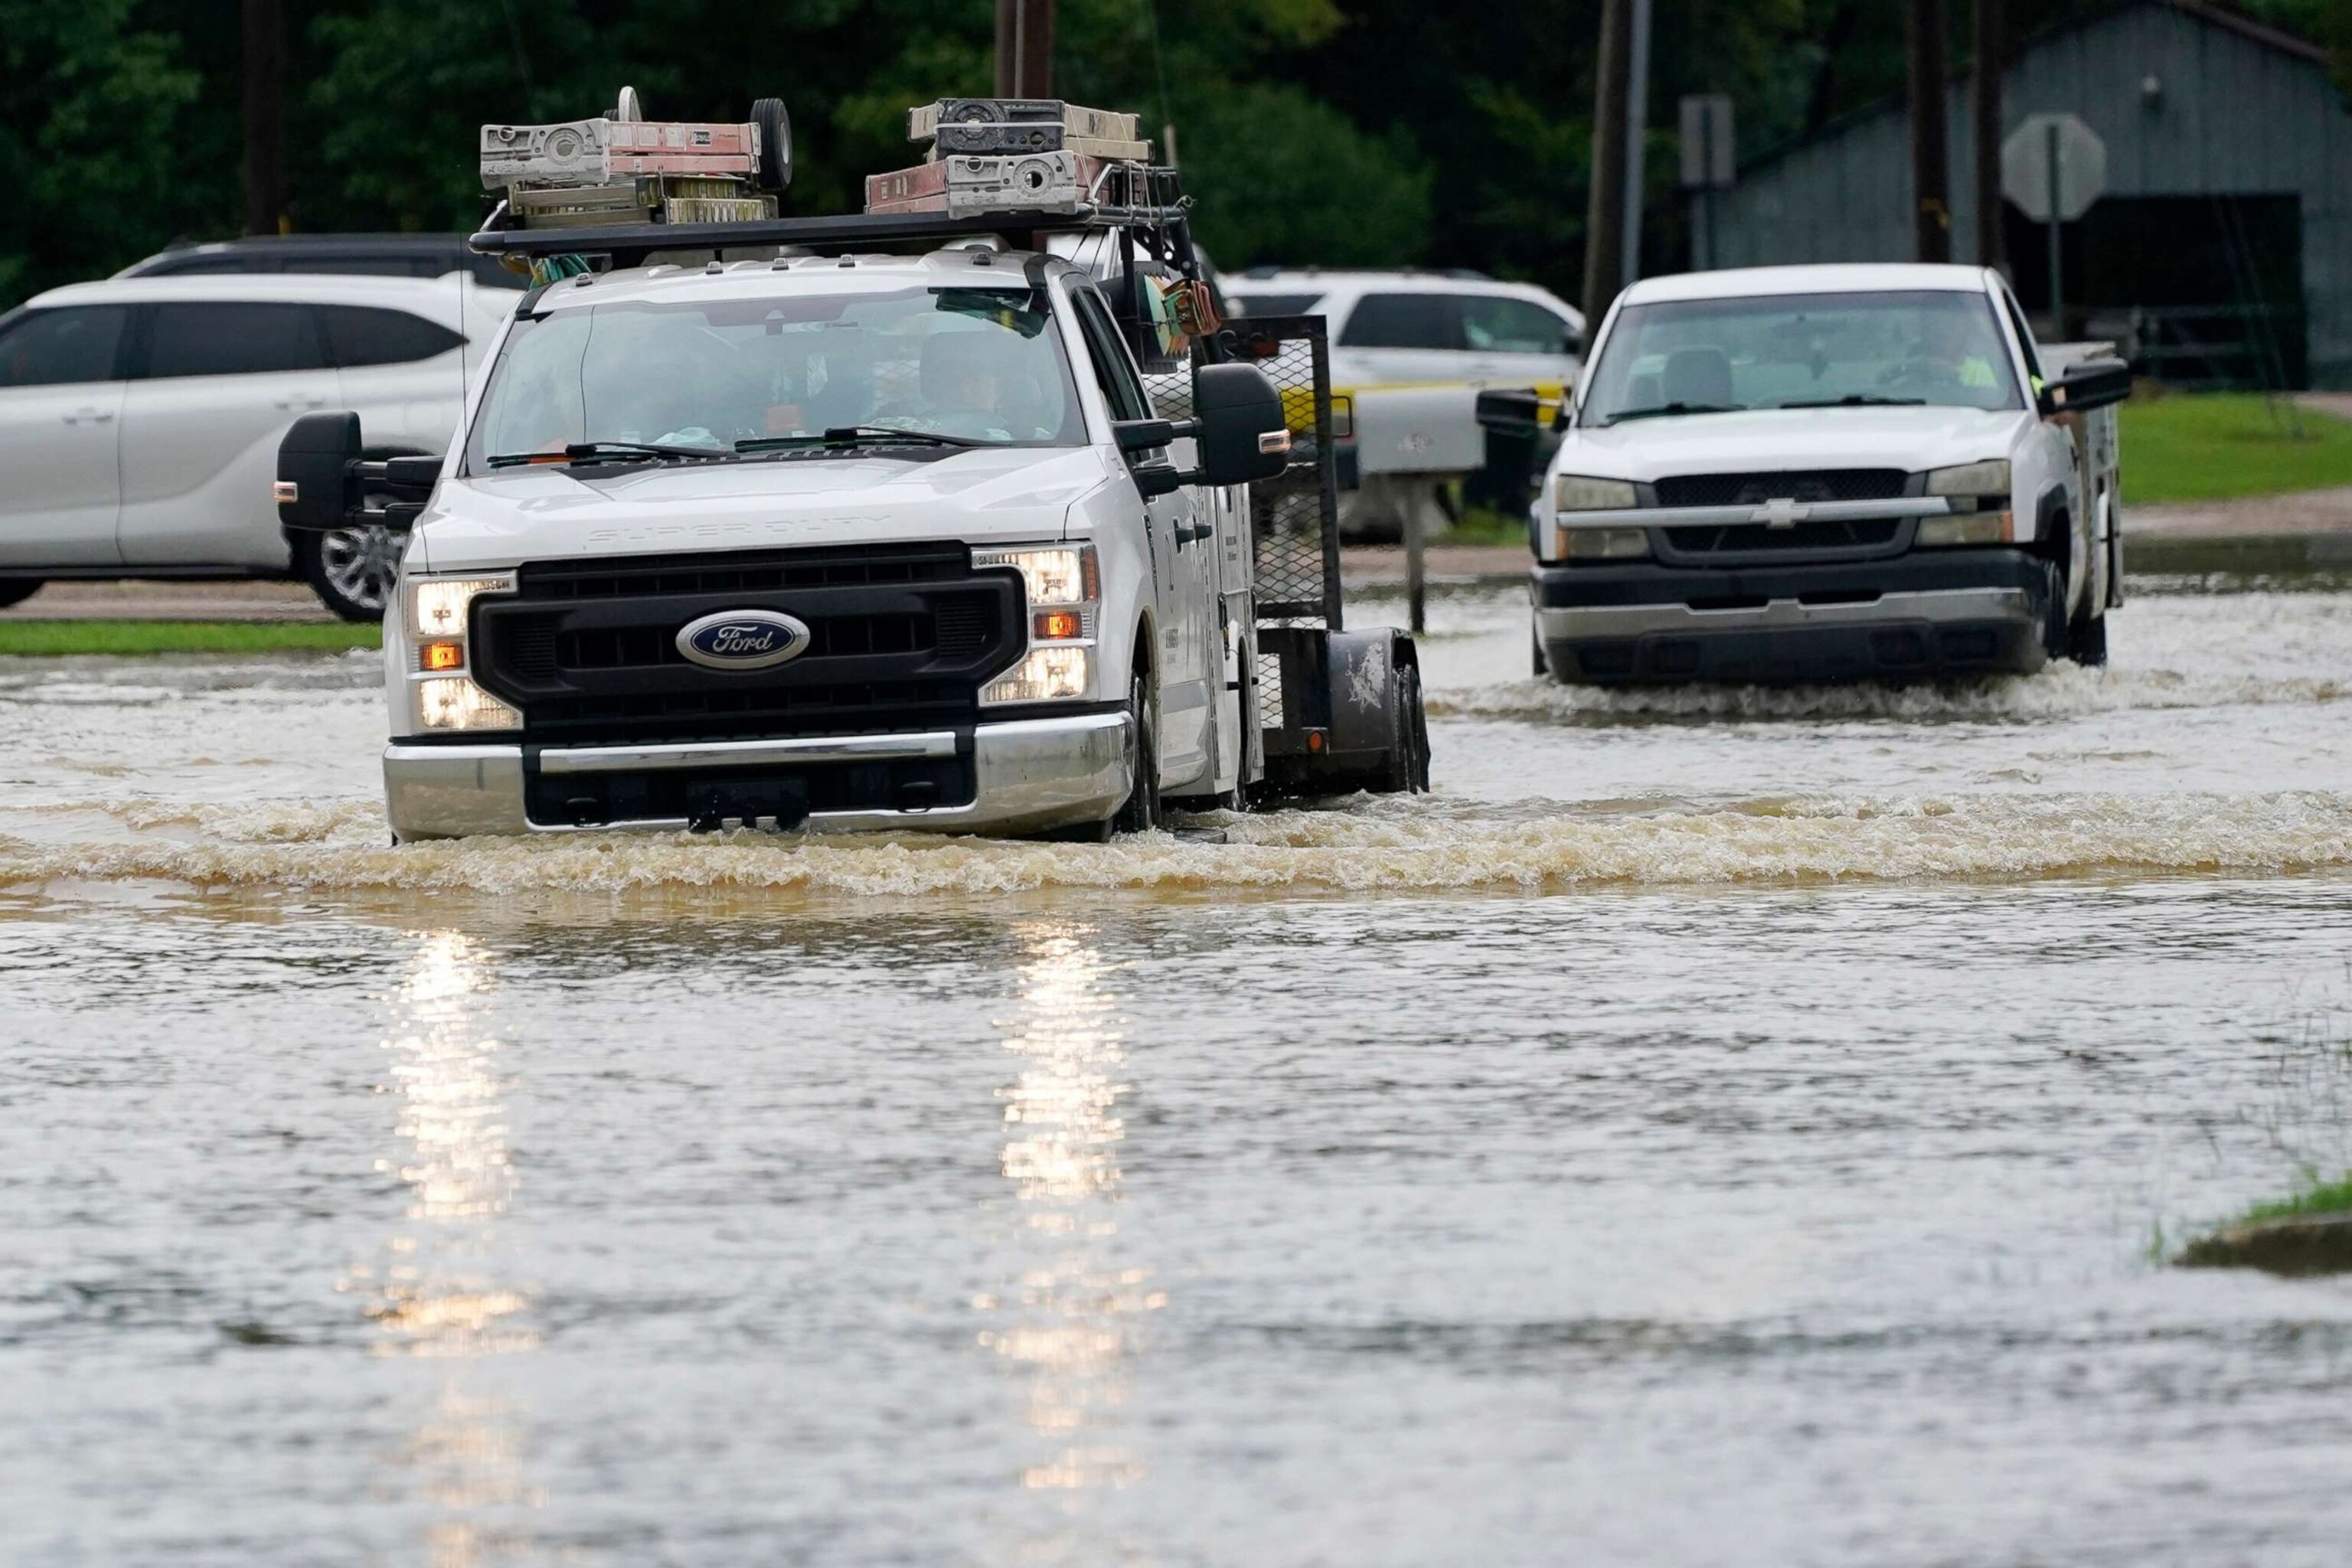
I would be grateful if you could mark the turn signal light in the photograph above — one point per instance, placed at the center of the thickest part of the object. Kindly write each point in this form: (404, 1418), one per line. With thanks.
(438, 655)
(1060, 625)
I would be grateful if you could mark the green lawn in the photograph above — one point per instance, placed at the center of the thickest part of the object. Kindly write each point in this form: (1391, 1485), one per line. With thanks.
(2218, 446)
(49, 638)
(2325, 1198)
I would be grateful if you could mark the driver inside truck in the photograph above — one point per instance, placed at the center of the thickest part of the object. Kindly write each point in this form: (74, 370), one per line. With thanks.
(972, 384)
(1948, 357)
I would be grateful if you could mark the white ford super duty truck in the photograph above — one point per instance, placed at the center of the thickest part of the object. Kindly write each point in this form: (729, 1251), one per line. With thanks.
(1824, 473)
(878, 528)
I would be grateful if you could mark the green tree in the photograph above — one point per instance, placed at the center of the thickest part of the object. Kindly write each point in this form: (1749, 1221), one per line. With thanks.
(93, 111)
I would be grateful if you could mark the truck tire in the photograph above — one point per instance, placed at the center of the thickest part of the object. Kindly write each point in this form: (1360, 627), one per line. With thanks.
(2086, 642)
(17, 590)
(1407, 763)
(1142, 812)
(2053, 612)
(1535, 643)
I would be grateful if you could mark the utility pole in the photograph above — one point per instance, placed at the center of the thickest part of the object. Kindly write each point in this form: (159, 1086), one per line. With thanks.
(1604, 221)
(1931, 173)
(264, 117)
(1025, 48)
(1637, 127)
(1991, 57)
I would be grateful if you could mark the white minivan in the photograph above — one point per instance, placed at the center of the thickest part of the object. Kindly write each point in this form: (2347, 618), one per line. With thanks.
(140, 420)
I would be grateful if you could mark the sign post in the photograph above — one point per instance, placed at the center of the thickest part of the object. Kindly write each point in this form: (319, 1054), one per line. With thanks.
(2054, 167)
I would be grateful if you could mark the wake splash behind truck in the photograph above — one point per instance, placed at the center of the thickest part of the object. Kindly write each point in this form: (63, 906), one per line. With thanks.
(866, 521)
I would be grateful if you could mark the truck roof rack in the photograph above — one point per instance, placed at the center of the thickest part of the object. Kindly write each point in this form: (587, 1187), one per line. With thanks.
(629, 244)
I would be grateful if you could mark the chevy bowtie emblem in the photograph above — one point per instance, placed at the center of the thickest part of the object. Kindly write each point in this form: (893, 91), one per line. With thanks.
(1783, 513)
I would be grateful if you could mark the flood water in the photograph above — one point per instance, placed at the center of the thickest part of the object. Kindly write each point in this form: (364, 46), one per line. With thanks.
(1724, 1127)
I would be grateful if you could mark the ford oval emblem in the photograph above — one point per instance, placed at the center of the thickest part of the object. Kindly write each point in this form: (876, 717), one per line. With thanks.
(742, 640)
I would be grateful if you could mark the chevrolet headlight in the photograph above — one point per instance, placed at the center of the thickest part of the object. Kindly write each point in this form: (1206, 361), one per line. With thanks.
(1986, 478)
(1574, 492)
(1603, 543)
(1966, 527)
(455, 702)
(1064, 588)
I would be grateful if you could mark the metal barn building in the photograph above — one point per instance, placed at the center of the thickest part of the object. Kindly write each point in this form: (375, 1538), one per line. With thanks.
(2222, 251)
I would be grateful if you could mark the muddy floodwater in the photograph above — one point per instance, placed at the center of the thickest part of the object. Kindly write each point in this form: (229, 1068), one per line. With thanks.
(1712, 1127)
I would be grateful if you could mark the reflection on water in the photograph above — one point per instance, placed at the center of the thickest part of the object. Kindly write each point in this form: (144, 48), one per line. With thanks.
(1067, 1320)
(436, 1293)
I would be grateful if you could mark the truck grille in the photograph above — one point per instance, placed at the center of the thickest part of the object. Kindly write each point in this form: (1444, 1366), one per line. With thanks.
(1802, 484)
(901, 638)
(1846, 540)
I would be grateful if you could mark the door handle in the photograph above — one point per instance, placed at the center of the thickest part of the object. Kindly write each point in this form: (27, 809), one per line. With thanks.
(90, 416)
(301, 400)
(1198, 531)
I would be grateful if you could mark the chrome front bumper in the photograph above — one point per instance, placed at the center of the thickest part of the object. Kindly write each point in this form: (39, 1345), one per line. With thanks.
(1933, 607)
(1033, 774)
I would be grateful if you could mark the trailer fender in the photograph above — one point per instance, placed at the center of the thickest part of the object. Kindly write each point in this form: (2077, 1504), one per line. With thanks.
(1363, 667)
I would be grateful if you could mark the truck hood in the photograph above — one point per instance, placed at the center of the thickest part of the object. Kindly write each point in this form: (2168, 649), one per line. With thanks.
(493, 521)
(1773, 439)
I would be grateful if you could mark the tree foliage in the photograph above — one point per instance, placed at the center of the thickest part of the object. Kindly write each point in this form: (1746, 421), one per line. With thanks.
(1339, 131)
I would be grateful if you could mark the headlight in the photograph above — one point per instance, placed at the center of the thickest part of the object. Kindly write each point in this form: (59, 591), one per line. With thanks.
(438, 606)
(1047, 675)
(1966, 527)
(1573, 492)
(1985, 479)
(454, 702)
(1062, 574)
(441, 695)
(1063, 587)
(1603, 543)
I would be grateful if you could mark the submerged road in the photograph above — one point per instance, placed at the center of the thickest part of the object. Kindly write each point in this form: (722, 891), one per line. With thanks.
(1715, 1126)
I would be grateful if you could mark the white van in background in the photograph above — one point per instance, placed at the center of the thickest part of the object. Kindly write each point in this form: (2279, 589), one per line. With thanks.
(140, 420)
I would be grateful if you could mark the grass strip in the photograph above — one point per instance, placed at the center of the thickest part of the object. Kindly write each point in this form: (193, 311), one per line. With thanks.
(2223, 445)
(2322, 1199)
(51, 639)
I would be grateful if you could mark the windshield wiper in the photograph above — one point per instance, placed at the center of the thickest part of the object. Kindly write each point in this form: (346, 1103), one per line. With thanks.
(1664, 409)
(1855, 400)
(857, 436)
(610, 451)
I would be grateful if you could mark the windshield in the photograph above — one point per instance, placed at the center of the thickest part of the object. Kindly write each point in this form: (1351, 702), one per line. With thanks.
(981, 366)
(1790, 351)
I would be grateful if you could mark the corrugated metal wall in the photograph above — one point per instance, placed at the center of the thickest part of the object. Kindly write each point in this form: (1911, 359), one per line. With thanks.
(2234, 116)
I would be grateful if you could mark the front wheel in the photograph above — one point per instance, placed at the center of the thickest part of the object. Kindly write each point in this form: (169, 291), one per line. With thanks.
(1142, 812)
(352, 570)
(2086, 643)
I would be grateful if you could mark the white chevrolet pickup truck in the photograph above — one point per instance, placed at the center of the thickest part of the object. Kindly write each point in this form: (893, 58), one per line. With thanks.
(1824, 473)
(877, 527)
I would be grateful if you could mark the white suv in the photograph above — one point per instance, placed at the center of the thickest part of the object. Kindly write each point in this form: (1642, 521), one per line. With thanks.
(140, 420)
(1417, 327)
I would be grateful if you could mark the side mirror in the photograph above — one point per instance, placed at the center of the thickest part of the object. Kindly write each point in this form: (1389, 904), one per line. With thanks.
(1244, 436)
(314, 464)
(324, 479)
(2094, 384)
